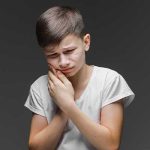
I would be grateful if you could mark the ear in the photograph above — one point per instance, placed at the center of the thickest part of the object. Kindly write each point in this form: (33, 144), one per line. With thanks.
(86, 40)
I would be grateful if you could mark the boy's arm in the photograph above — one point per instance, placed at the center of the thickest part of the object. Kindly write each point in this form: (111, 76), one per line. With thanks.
(107, 134)
(44, 136)
(104, 135)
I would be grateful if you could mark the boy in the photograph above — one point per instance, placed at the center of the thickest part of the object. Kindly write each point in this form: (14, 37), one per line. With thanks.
(75, 106)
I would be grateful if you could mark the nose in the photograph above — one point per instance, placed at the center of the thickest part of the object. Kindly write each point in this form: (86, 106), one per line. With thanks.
(63, 61)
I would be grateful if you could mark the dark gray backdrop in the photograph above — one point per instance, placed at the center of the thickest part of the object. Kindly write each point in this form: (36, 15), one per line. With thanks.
(120, 40)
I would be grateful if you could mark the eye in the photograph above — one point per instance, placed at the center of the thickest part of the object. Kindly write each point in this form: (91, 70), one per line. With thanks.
(52, 56)
(69, 51)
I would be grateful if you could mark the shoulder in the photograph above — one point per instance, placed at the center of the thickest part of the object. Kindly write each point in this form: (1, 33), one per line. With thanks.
(103, 76)
(40, 83)
(40, 87)
(106, 73)
(115, 87)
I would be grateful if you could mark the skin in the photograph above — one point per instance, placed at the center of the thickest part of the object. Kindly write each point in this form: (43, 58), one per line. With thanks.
(65, 87)
(70, 53)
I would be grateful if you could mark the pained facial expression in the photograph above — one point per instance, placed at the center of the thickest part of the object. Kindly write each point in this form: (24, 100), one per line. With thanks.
(69, 55)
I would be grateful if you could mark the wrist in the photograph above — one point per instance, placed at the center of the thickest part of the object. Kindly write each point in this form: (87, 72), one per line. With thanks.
(62, 115)
(71, 108)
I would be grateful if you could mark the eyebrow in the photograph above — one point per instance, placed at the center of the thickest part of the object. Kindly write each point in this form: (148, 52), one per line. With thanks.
(52, 51)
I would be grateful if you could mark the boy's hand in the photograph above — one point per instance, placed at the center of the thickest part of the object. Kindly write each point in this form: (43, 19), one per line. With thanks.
(60, 89)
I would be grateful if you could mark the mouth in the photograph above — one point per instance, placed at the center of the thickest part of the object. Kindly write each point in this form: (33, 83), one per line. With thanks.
(66, 70)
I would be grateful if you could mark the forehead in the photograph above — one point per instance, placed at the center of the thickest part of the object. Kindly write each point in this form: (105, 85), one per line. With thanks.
(68, 42)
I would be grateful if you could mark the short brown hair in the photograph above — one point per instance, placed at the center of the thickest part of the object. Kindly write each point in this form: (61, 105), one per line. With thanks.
(56, 23)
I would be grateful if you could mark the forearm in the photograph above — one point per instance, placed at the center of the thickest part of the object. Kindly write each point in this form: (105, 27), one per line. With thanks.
(48, 138)
(99, 136)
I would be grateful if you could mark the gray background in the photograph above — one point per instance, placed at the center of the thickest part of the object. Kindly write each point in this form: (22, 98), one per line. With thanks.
(120, 31)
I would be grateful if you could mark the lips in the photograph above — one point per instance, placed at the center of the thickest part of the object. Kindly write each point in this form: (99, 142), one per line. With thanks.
(66, 70)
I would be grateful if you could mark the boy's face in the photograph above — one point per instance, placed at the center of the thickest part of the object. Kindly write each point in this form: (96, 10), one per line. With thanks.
(69, 55)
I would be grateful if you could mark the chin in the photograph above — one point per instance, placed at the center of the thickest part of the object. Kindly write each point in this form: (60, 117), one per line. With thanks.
(73, 73)
(68, 75)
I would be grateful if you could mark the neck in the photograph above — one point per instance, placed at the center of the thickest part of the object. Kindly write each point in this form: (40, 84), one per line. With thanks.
(81, 77)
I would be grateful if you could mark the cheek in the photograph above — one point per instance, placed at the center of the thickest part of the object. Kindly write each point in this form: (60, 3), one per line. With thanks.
(48, 61)
(77, 56)
(51, 62)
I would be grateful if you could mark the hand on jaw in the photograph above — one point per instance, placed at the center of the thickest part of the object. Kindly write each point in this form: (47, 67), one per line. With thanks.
(61, 89)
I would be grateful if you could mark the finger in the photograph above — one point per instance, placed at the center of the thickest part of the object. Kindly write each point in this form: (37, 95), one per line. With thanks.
(50, 86)
(54, 71)
(53, 78)
(51, 75)
(50, 91)
(62, 77)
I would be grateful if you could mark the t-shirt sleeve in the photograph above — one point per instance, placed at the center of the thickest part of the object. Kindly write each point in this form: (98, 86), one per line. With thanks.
(34, 102)
(117, 89)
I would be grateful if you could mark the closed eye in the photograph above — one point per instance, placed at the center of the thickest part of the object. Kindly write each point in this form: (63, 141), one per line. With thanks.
(69, 51)
(53, 56)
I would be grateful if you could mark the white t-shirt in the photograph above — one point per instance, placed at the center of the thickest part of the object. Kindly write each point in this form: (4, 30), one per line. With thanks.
(104, 87)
